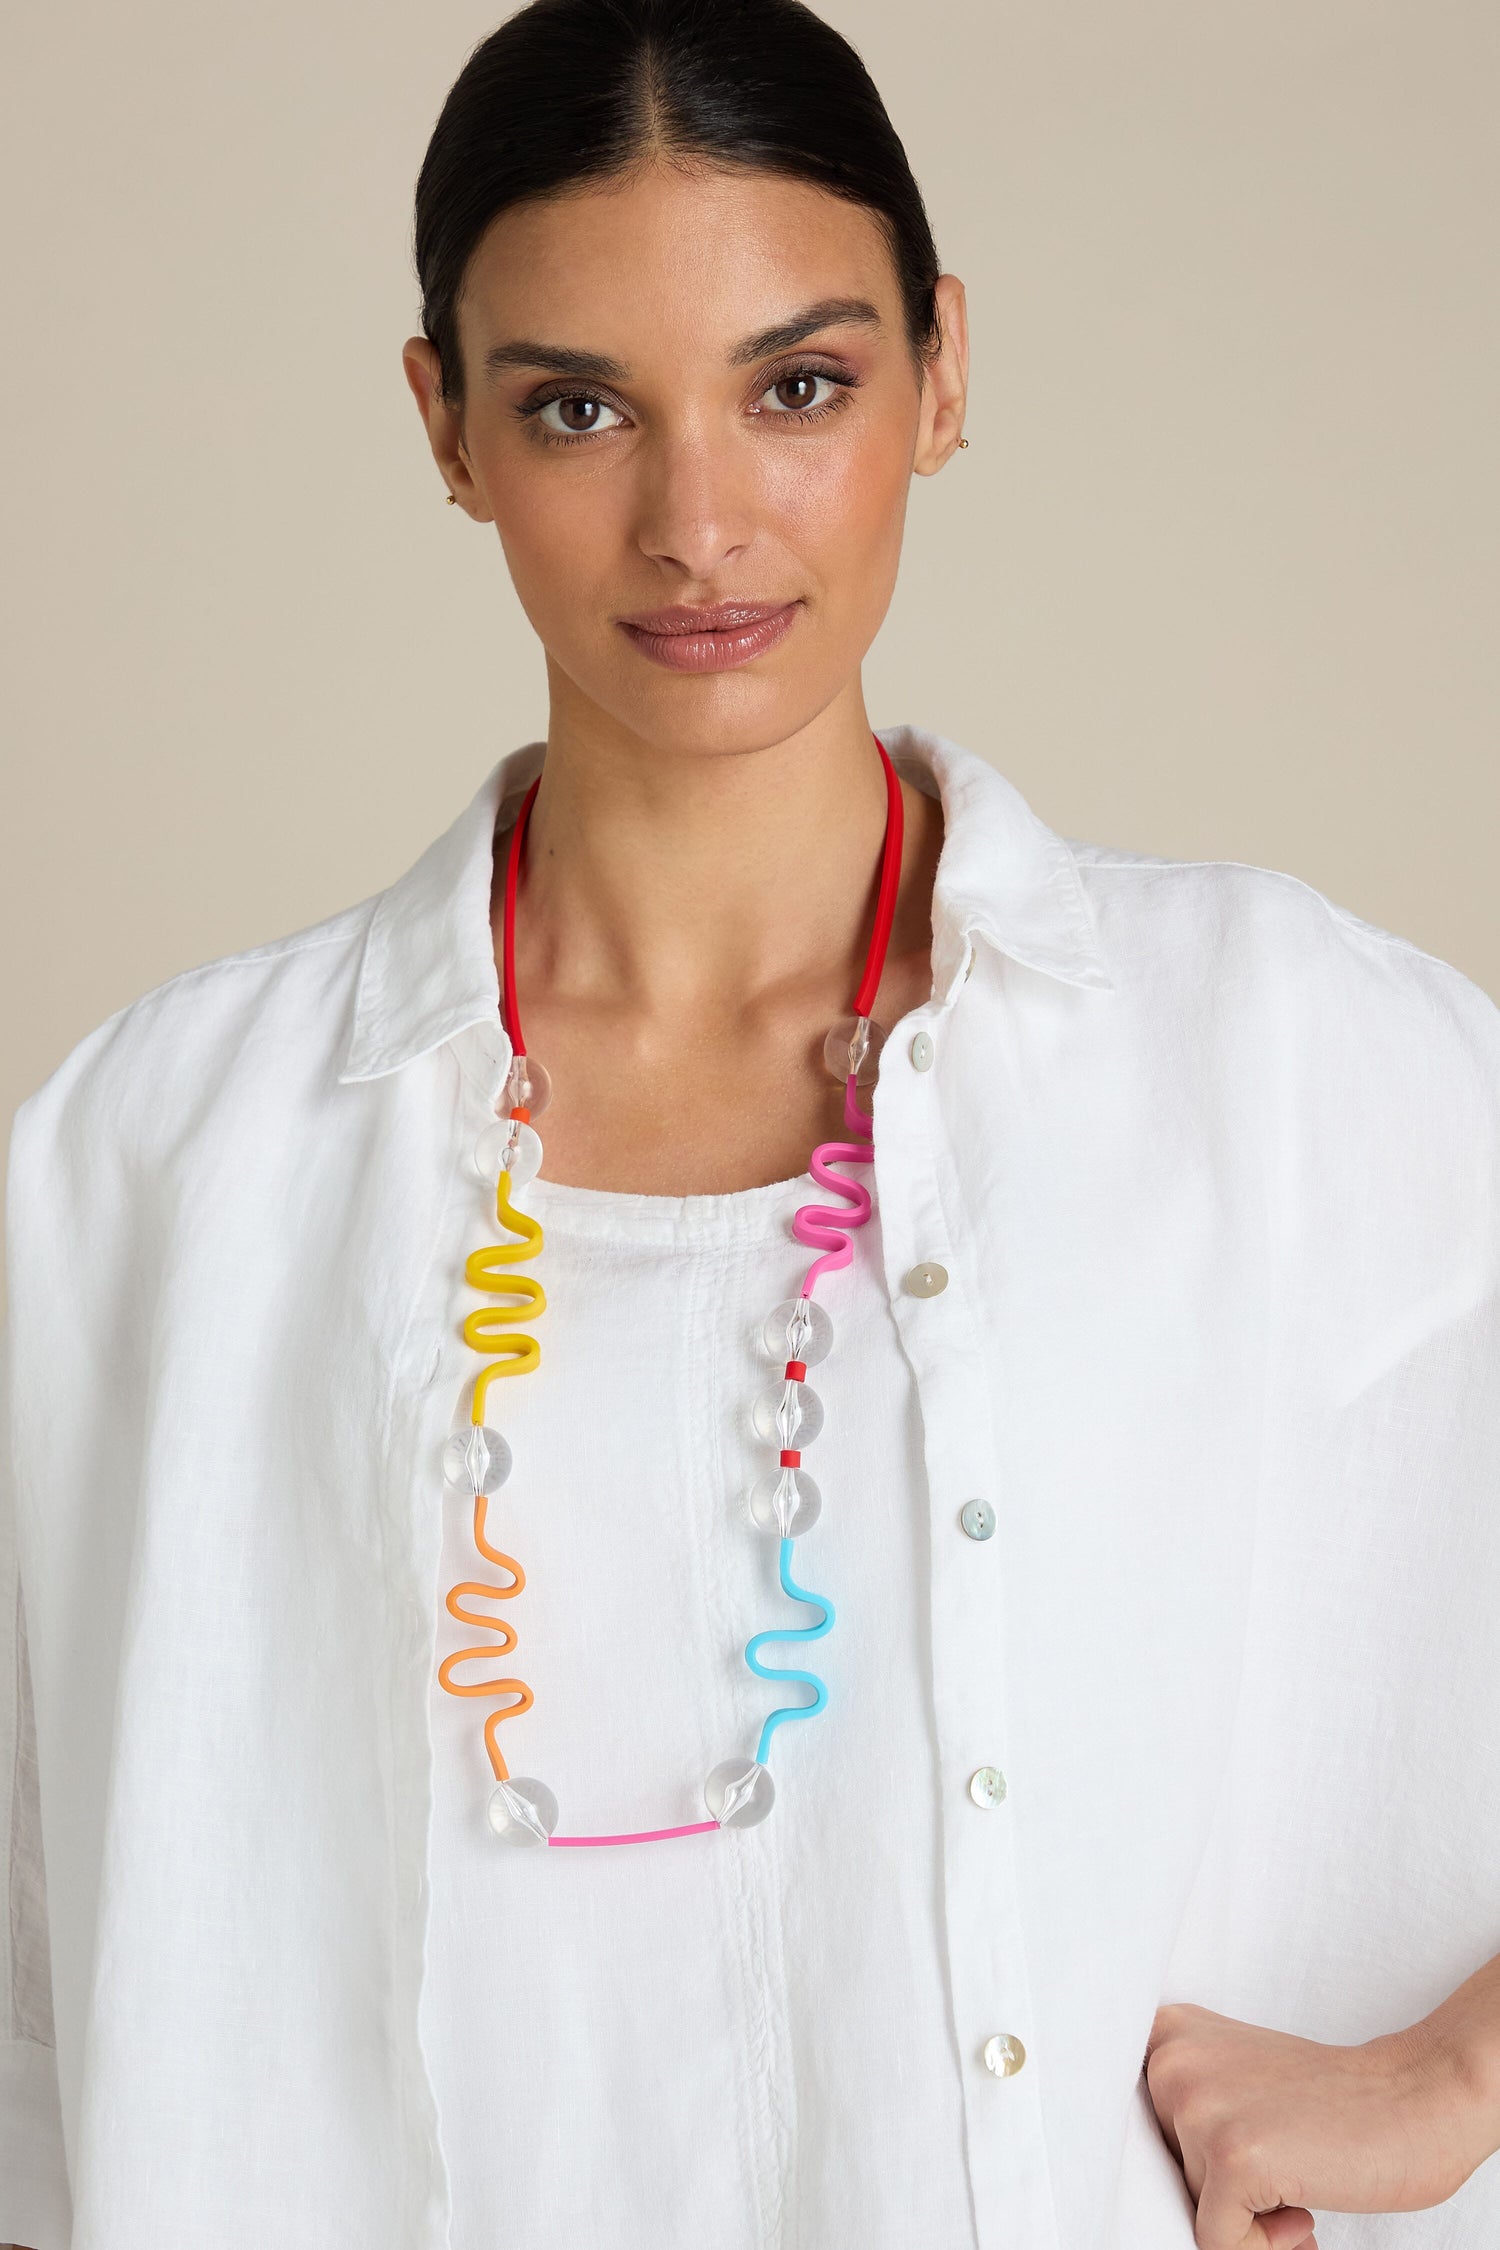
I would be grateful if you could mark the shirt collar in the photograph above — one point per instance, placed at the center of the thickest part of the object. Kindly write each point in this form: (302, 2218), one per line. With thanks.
(428, 965)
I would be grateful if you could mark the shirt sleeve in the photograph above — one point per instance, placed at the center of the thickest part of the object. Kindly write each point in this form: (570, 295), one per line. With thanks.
(35, 2200)
(1352, 1879)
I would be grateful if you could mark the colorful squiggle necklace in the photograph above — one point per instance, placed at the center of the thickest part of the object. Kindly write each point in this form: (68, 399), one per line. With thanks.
(739, 1792)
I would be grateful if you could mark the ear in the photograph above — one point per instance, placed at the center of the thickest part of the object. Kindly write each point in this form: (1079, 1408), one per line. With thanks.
(443, 425)
(945, 384)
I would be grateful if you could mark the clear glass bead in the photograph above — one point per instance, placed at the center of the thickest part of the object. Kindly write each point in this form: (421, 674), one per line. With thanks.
(511, 1145)
(527, 1086)
(739, 1792)
(522, 1811)
(854, 1039)
(476, 1459)
(785, 1501)
(791, 1416)
(797, 1329)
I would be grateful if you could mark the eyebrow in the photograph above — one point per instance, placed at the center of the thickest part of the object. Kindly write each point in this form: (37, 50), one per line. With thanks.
(564, 359)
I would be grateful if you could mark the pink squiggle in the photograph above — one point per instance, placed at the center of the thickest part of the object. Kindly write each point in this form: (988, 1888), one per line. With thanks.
(825, 1226)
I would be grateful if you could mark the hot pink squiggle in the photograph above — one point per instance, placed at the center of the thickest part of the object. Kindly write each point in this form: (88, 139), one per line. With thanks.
(825, 1226)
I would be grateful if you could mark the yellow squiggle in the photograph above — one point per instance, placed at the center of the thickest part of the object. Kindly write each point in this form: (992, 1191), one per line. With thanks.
(488, 1329)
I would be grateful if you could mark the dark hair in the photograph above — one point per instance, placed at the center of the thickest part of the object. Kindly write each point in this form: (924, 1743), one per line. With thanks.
(568, 92)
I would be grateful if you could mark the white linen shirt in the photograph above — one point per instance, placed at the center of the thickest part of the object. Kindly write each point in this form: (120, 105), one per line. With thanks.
(1213, 1170)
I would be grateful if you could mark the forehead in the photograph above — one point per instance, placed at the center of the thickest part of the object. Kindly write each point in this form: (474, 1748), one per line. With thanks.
(672, 258)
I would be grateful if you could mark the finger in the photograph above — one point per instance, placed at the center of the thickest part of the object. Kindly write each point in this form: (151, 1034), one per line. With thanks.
(1287, 2229)
(1223, 2223)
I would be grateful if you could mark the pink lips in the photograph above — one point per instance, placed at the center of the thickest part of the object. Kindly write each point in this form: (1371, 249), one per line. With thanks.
(711, 638)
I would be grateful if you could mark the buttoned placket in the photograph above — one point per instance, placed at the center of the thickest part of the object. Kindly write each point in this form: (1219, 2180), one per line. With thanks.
(930, 1278)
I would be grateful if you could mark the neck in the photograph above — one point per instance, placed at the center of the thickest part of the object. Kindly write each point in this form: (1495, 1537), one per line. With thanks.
(686, 886)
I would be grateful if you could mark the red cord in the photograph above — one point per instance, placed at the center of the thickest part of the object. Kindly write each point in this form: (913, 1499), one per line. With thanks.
(512, 1012)
(885, 902)
(890, 876)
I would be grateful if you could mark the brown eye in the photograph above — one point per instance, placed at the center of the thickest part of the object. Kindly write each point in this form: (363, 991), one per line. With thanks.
(578, 414)
(804, 385)
(794, 396)
(801, 384)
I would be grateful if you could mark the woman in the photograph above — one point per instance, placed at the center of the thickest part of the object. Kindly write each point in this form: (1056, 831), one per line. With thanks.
(405, 1843)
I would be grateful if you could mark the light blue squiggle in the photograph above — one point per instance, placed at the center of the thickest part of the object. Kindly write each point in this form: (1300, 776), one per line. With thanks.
(790, 1633)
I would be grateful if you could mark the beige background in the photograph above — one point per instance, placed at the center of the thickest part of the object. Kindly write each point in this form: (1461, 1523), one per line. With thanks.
(1217, 576)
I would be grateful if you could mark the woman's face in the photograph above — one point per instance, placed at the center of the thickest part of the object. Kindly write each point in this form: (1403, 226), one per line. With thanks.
(641, 437)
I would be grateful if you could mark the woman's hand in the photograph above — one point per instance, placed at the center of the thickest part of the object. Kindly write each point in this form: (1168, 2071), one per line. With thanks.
(1260, 2119)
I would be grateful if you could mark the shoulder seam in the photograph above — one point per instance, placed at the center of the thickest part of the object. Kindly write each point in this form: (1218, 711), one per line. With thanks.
(274, 949)
(1345, 914)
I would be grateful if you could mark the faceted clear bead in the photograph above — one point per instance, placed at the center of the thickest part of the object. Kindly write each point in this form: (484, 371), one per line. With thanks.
(798, 1328)
(854, 1042)
(476, 1459)
(739, 1792)
(522, 1811)
(790, 1417)
(527, 1086)
(510, 1146)
(785, 1501)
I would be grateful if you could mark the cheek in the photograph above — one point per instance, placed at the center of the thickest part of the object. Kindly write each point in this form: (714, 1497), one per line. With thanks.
(840, 501)
(558, 533)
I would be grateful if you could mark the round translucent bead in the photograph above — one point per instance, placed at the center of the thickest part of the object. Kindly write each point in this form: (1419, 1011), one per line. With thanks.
(508, 1139)
(785, 1501)
(527, 1086)
(522, 1811)
(847, 1045)
(739, 1792)
(798, 1329)
(476, 1459)
(790, 1417)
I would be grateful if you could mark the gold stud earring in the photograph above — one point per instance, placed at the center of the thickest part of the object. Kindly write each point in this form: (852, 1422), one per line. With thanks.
(453, 499)
(962, 441)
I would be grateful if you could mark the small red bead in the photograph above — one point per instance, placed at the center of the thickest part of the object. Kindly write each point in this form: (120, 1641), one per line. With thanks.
(796, 1370)
(791, 1460)
(523, 1114)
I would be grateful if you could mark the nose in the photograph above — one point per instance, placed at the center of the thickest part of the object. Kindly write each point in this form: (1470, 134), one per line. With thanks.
(697, 503)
